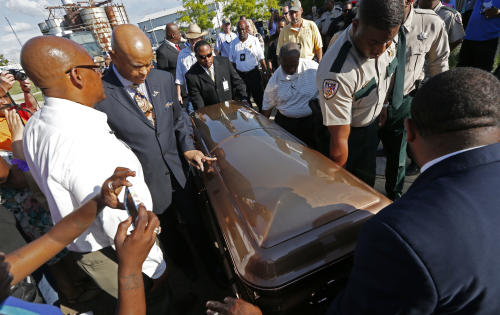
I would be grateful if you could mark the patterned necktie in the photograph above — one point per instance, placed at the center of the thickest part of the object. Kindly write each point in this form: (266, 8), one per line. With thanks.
(178, 48)
(144, 104)
(212, 75)
(399, 81)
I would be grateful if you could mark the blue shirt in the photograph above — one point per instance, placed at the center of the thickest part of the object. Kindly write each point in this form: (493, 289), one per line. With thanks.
(14, 306)
(480, 28)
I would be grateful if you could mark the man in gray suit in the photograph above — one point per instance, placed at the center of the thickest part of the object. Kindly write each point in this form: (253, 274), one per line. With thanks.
(144, 112)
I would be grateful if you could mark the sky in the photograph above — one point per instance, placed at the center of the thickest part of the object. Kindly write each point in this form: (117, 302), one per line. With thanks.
(24, 15)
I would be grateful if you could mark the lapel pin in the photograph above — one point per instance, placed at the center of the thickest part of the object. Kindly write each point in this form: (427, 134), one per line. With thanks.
(155, 93)
(168, 104)
(423, 36)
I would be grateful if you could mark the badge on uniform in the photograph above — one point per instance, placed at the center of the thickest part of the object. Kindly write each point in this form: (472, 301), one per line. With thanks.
(155, 93)
(168, 104)
(330, 87)
(242, 57)
(422, 36)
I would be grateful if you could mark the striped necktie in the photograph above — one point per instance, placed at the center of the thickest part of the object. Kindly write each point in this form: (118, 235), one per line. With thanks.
(143, 103)
(399, 80)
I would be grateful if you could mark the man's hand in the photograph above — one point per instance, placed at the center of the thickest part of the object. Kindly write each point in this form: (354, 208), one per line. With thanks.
(15, 124)
(491, 13)
(25, 86)
(133, 249)
(7, 80)
(246, 103)
(383, 117)
(232, 306)
(112, 187)
(197, 158)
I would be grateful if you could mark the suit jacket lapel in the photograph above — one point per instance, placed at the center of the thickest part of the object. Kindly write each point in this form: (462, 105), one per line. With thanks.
(204, 75)
(120, 93)
(155, 96)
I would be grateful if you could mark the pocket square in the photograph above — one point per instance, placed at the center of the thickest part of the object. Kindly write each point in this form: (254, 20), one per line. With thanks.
(168, 104)
(155, 93)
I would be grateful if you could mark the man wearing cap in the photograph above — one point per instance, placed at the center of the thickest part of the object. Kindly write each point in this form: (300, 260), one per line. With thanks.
(224, 39)
(353, 80)
(185, 60)
(246, 55)
(303, 32)
(167, 53)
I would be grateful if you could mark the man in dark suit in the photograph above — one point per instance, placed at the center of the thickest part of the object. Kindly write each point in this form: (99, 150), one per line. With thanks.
(144, 112)
(213, 80)
(435, 250)
(166, 54)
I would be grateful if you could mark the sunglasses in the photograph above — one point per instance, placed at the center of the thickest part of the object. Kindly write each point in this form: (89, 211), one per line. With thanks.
(96, 68)
(203, 57)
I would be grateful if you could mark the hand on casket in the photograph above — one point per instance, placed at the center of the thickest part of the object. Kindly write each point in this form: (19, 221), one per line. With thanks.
(232, 306)
(196, 158)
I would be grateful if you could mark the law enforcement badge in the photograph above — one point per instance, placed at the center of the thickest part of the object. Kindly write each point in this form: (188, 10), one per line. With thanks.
(155, 93)
(330, 88)
(422, 36)
(242, 57)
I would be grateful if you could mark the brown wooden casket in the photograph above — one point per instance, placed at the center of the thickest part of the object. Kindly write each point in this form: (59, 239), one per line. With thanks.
(285, 217)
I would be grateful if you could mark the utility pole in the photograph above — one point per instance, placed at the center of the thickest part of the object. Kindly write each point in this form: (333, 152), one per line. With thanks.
(13, 31)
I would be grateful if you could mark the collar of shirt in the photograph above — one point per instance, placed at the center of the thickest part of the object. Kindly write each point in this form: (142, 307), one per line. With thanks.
(444, 157)
(437, 7)
(209, 70)
(129, 85)
(408, 23)
(73, 109)
(170, 43)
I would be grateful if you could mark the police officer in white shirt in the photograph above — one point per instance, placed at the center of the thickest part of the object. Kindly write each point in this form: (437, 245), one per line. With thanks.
(71, 150)
(246, 55)
(290, 89)
(223, 44)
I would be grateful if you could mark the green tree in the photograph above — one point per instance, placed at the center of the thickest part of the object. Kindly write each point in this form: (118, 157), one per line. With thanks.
(197, 11)
(3, 61)
(258, 9)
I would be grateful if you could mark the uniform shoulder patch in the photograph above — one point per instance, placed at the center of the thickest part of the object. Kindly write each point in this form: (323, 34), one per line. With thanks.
(330, 88)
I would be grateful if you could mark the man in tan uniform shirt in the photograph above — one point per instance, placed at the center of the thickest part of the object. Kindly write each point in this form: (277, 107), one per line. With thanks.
(426, 40)
(452, 20)
(353, 79)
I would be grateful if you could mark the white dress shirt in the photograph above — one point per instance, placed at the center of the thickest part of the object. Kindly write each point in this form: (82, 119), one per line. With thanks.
(128, 85)
(170, 43)
(246, 55)
(444, 157)
(223, 43)
(71, 151)
(185, 60)
(291, 94)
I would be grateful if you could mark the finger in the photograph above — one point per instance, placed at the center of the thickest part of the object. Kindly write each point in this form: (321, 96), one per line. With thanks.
(153, 223)
(216, 306)
(229, 300)
(199, 161)
(123, 172)
(121, 232)
(142, 219)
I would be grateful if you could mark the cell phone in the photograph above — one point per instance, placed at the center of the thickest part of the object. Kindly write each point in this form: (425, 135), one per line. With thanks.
(130, 205)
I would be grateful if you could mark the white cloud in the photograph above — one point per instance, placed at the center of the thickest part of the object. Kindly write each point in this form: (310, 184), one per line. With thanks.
(18, 27)
(28, 7)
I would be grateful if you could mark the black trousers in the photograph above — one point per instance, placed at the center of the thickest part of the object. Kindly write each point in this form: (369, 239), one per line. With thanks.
(301, 127)
(362, 159)
(254, 86)
(478, 54)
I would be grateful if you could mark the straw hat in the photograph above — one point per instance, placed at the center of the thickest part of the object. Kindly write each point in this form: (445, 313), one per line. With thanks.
(194, 31)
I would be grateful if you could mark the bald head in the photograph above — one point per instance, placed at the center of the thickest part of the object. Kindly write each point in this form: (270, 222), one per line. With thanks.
(290, 57)
(290, 49)
(62, 68)
(172, 33)
(46, 59)
(132, 52)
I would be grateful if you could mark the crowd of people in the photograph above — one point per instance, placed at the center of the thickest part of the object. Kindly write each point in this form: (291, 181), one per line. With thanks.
(342, 79)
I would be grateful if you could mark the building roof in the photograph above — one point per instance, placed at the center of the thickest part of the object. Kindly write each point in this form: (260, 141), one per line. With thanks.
(159, 14)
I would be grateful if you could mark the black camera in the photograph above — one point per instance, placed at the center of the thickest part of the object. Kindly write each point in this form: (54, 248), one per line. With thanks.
(18, 74)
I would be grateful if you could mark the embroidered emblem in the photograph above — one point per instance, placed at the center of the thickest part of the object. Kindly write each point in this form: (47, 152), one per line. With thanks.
(330, 88)
(422, 36)
(155, 93)
(168, 104)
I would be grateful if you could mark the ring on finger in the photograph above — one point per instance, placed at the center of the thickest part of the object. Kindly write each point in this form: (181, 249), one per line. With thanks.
(110, 186)
(157, 230)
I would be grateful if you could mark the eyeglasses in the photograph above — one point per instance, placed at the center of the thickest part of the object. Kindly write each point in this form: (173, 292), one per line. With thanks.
(96, 68)
(203, 57)
(285, 13)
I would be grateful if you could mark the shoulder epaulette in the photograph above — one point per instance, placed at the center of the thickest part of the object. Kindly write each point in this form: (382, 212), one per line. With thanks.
(341, 57)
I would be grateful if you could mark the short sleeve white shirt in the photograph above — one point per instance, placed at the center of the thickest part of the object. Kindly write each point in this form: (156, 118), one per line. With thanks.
(223, 43)
(71, 151)
(185, 60)
(291, 94)
(246, 55)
